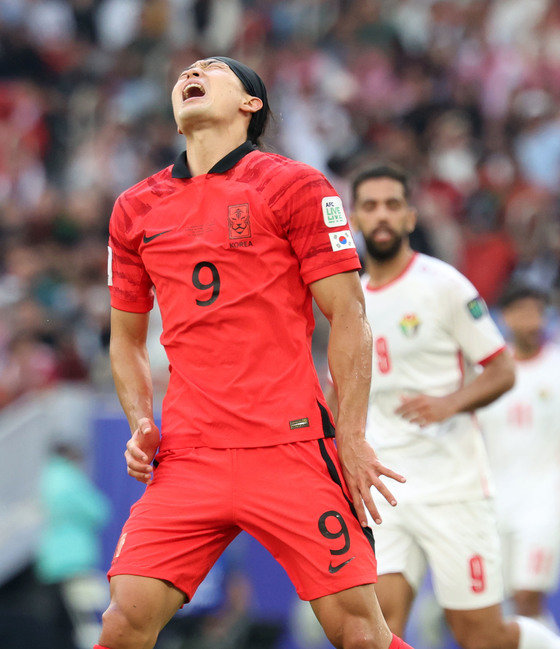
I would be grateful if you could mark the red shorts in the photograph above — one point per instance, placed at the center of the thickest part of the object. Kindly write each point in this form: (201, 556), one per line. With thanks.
(290, 497)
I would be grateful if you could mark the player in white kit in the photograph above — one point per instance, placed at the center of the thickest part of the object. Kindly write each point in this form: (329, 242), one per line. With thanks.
(522, 432)
(431, 330)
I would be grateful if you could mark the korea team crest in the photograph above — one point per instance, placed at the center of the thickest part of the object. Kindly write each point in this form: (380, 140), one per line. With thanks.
(409, 324)
(239, 222)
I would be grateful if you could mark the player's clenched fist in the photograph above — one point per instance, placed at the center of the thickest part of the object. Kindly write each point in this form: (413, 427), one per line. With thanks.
(141, 449)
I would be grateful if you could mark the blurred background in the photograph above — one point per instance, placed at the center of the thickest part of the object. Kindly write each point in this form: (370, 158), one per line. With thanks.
(462, 93)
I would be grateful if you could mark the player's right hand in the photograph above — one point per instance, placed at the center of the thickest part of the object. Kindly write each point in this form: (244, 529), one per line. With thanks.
(141, 449)
(362, 470)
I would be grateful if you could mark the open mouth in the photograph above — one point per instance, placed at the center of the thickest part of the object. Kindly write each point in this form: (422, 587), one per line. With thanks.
(193, 90)
(382, 234)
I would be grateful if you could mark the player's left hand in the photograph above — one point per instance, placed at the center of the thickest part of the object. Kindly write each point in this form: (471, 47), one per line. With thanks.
(424, 410)
(362, 470)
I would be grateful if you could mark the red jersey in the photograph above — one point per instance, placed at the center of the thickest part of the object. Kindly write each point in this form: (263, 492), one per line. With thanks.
(230, 255)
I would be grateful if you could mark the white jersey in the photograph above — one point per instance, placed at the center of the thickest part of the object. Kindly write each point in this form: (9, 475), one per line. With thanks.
(430, 330)
(522, 433)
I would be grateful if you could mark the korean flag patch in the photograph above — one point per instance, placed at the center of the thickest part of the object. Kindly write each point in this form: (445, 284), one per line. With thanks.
(341, 240)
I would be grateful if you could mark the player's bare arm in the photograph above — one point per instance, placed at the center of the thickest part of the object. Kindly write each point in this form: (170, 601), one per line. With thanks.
(340, 298)
(497, 377)
(131, 371)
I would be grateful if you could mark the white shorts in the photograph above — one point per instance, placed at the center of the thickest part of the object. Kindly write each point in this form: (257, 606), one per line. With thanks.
(458, 541)
(529, 527)
(531, 557)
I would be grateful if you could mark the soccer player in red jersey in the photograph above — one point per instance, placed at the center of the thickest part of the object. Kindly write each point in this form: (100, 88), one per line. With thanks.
(236, 242)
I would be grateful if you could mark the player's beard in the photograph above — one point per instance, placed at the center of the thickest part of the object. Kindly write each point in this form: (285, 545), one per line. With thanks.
(385, 252)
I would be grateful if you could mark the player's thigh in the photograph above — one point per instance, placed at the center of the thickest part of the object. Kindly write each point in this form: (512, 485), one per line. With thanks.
(140, 607)
(483, 628)
(463, 548)
(353, 617)
(293, 500)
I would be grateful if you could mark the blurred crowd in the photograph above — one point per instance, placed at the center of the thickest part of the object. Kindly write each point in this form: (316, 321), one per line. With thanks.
(463, 93)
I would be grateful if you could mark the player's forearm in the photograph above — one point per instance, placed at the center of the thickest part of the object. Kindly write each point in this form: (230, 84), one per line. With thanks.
(496, 378)
(131, 372)
(332, 400)
(350, 346)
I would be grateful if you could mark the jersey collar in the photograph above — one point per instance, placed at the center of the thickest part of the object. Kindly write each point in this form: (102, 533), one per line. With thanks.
(181, 168)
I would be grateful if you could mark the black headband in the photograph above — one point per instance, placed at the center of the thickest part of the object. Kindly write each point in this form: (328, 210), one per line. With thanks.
(254, 85)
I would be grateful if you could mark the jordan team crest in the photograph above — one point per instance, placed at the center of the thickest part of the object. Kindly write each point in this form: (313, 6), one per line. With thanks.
(239, 223)
(409, 325)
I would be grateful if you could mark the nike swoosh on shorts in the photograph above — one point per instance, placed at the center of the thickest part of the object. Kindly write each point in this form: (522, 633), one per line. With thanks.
(333, 569)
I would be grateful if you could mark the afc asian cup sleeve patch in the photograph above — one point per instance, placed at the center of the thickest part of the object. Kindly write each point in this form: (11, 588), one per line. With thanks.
(333, 212)
(341, 240)
(477, 307)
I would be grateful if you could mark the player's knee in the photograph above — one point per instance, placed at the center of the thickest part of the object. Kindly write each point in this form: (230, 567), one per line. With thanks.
(125, 629)
(478, 638)
(468, 640)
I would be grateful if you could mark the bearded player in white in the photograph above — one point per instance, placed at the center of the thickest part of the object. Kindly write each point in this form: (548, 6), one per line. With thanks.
(431, 329)
(522, 432)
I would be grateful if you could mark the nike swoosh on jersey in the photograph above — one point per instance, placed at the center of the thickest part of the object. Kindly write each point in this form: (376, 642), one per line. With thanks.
(146, 239)
(333, 569)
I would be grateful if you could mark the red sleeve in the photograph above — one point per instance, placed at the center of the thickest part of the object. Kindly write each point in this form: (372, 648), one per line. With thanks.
(129, 284)
(313, 218)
